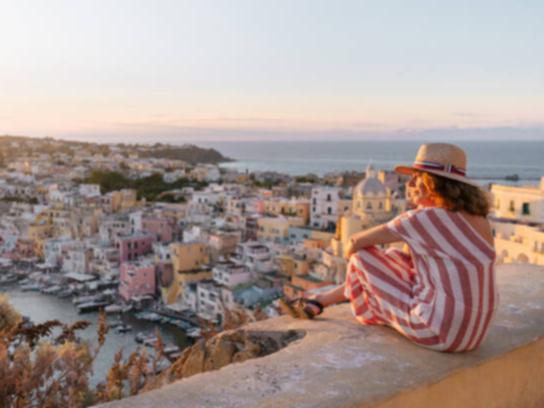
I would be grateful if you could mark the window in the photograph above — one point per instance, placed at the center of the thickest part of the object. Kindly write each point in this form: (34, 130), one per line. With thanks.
(329, 210)
(525, 209)
(369, 206)
(328, 197)
(511, 207)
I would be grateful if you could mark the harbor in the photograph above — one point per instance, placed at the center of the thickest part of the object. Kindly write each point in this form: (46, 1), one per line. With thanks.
(125, 327)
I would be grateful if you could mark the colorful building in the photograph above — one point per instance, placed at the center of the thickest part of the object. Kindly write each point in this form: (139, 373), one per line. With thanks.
(133, 246)
(137, 279)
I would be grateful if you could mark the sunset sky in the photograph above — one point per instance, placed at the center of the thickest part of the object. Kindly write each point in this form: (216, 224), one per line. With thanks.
(246, 69)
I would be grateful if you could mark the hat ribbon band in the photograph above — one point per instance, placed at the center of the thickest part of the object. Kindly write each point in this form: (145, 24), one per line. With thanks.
(448, 168)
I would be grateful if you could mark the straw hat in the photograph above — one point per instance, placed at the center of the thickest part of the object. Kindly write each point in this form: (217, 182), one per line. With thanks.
(443, 159)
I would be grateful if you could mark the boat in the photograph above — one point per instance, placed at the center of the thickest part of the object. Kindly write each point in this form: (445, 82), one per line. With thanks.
(114, 308)
(123, 328)
(150, 316)
(171, 349)
(115, 323)
(150, 341)
(65, 293)
(31, 287)
(91, 306)
(147, 339)
(51, 290)
(194, 333)
(8, 278)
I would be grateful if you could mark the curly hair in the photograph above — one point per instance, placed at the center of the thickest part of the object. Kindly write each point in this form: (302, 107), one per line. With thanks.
(456, 195)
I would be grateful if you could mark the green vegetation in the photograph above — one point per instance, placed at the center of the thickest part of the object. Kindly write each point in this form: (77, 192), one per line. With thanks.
(188, 153)
(152, 188)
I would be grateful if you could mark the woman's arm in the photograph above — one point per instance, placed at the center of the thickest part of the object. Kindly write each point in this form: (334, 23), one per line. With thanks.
(373, 236)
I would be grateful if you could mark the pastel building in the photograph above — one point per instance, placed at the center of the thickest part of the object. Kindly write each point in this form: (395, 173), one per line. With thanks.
(256, 256)
(230, 274)
(324, 207)
(518, 243)
(274, 229)
(89, 190)
(223, 243)
(189, 264)
(165, 229)
(137, 279)
(187, 256)
(133, 246)
(524, 204)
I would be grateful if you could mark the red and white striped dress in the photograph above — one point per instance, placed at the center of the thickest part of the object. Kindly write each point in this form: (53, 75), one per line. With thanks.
(442, 296)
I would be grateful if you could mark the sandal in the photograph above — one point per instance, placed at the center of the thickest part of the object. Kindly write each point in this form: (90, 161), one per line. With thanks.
(299, 307)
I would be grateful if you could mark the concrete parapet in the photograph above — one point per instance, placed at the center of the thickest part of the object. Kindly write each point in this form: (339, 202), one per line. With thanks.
(340, 363)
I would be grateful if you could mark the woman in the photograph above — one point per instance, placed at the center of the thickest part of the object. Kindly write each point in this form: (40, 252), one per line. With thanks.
(441, 294)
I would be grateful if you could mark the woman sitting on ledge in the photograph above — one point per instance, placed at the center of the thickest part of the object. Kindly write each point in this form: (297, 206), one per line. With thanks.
(441, 294)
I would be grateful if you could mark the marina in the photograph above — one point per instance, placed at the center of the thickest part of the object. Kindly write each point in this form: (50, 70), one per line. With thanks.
(125, 327)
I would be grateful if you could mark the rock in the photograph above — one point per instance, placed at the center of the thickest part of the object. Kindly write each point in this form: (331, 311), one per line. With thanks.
(195, 360)
(219, 353)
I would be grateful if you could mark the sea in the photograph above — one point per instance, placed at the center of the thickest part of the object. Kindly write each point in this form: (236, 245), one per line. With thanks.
(488, 161)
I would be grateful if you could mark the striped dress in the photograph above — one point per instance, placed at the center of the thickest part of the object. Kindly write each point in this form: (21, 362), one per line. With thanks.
(442, 296)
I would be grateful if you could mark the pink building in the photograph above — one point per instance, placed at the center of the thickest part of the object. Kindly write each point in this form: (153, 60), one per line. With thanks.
(164, 229)
(133, 246)
(137, 279)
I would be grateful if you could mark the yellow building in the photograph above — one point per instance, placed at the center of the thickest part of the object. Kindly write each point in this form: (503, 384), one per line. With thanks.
(172, 293)
(189, 261)
(124, 199)
(294, 208)
(292, 265)
(272, 229)
(187, 256)
(371, 200)
(37, 233)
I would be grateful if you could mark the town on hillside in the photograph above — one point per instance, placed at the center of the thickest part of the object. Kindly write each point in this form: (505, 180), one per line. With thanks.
(167, 234)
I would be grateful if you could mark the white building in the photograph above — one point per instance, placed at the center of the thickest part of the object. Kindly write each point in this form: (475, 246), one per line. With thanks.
(524, 204)
(255, 256)
(77, 260)
(324, 207)
(230, 274)
(53, 250)
(89, 190)
(113, 227)
(212, 300)
(518, 243)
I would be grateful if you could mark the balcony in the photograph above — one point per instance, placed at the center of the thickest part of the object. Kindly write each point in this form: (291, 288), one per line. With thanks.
(340, 363)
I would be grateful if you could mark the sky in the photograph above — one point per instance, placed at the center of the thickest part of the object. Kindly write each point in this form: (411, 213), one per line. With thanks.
(177, 70)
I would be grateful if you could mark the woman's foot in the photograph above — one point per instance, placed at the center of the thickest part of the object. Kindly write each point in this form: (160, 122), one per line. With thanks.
(301, 308)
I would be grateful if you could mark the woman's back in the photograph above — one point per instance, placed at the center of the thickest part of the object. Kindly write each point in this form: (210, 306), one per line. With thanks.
(481, 225)
(454, 290)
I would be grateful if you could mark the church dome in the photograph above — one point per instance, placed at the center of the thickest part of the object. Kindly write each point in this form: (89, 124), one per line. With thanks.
(370, 187)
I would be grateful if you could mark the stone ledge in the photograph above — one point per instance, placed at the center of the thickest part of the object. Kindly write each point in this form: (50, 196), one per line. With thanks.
(340, 363)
